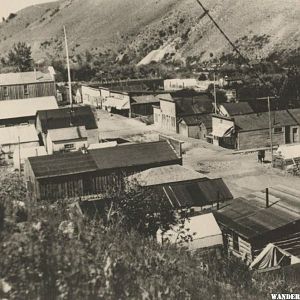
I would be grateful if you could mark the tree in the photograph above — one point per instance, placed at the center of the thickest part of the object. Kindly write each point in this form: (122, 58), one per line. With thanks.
(20, 57)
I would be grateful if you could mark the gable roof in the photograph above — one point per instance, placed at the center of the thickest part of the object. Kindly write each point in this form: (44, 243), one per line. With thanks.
(249, 217)
(69, 133)
(165, 174)
(193, 120)
(10, 109)
(12, 134)
(119, 157)
(199, 192)
(144, 99)
(258, 121)
(61, 118)
(24, 78)
(240, 108)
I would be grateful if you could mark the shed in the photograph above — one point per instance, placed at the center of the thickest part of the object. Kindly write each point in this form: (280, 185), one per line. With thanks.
(249, 223)
(202, 193)
(234, 109)
(16, 112)
(198, 232)
(68, 117)
(196, 126)
(143, 105)
(26, 85)
(76, 174)
(22, 154)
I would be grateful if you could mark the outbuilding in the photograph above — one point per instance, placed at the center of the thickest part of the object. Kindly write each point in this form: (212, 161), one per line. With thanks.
(92, 172)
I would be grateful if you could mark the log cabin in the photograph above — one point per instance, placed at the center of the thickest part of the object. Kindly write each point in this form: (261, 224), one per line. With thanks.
(27, 85)
(249, 223)
(92, 172)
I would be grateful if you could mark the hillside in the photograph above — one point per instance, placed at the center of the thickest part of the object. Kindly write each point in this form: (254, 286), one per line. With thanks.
(156, 29)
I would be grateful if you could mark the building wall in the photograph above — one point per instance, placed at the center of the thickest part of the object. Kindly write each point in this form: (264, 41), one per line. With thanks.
(53, 147)
(192, 131)
(17, 121)
(259, 139)
(40, 89)
(143, 109)
(216, 122)
(91, 96)
(166, 116)
(10, 149)
(93, 136)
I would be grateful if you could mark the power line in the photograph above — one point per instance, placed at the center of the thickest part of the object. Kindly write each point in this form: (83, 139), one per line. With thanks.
(235, 48)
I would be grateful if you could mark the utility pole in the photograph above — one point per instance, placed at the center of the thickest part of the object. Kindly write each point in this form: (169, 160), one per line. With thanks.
(19, 150)
(69, 71)
(215, 92)
(270, 125)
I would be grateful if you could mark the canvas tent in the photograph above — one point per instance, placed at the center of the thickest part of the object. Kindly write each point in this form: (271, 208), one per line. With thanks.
(273, 257)
(198, 232)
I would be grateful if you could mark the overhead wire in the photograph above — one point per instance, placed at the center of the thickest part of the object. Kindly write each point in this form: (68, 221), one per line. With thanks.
(235, 48)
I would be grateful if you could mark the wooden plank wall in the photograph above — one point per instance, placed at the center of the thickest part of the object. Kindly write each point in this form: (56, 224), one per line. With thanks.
(40, 89)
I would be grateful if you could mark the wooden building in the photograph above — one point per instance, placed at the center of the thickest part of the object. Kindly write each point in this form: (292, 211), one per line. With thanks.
(251, 131)
(67, 117)
(234, 109)
(84, 173)
(196, 126)
(249, 223)
(16, 112)
(142, 105)
(91, 96)
(174, 107)
(27, 85)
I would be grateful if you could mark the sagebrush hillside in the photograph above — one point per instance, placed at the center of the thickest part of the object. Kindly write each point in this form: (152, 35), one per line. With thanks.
(156, 29)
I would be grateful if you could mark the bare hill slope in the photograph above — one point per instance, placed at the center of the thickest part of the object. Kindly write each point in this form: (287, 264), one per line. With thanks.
(172, 28)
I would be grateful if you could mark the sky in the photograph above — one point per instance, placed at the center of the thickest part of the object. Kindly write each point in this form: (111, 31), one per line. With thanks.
(9, 6)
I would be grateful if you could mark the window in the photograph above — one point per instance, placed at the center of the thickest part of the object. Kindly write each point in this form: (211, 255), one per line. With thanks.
(25, 89)
(278, 130)
(69, 147)
(235, 240)
(5, 91)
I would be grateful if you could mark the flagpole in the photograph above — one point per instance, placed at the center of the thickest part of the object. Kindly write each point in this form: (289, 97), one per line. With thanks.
(69, 71)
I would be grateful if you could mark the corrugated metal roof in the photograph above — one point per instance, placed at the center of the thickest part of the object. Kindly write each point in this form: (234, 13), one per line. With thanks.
(240, 108)
(24, 78)
(249, 217)
(61, 118)
(103, 159)
(10, 109)
(69, 133)
(198, 193)
(258, 121)
(11, 135)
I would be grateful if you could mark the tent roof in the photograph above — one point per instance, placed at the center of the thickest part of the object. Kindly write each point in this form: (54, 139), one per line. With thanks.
(12, 134)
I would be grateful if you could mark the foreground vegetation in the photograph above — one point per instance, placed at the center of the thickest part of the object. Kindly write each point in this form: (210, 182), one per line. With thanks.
(50, 252)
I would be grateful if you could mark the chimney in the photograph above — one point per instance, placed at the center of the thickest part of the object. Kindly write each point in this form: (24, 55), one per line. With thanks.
(267, 198)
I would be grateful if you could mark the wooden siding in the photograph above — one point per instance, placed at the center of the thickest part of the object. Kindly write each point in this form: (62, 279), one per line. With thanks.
(144, 109)
(40, 89)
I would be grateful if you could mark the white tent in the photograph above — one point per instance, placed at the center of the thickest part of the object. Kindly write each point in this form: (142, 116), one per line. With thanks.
(20, 155)
(289, 151)
(273, 257)
(196, 233)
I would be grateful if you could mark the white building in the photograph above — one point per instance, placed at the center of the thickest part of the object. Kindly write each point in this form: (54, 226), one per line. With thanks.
(66, 139)
(91, 96)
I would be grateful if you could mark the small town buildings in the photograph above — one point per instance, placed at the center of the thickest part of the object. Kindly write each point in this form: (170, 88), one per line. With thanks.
(91, 96)
(186, 83)
(16, 112)
(67, 117)
(117, 102)
(249, 223)
(251, 131)
(173, 108)
(198, 232)
(17, 137)
(66, 139)
(21, 154)
(164, 175)
(27, 85)
(195, 126)
(92, 172)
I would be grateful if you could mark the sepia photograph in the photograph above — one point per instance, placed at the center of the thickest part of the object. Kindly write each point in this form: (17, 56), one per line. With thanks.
(149, 149)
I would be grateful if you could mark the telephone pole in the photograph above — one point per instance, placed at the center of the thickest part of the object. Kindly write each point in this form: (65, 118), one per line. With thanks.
(69, 71)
